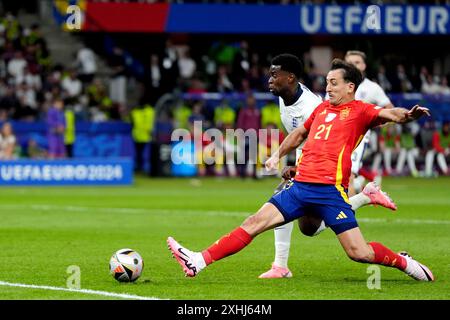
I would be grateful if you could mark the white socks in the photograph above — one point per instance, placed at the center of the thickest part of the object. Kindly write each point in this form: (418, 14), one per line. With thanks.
(359, 200)
(283, 243)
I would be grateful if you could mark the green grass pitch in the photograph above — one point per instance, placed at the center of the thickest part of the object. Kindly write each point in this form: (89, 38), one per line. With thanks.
(44, 230)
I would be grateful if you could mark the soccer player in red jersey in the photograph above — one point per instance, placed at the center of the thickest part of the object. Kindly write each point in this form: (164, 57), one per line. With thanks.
(320, 186)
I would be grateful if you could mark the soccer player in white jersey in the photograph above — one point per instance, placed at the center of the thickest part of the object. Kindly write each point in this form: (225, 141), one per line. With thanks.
(369, 92)
(297, 103)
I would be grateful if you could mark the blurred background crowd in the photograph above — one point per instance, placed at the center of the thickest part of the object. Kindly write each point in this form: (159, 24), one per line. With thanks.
(168, 84)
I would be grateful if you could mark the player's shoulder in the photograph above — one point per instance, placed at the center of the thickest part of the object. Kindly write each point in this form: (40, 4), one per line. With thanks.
(363, 105)
(370, 84)
(323, 105)
(366, 109)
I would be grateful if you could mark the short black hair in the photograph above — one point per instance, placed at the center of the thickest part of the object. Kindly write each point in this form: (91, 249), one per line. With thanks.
(350, 74)
(289, 63)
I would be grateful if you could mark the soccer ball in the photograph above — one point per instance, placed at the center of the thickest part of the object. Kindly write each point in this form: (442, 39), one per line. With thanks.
(126, 265)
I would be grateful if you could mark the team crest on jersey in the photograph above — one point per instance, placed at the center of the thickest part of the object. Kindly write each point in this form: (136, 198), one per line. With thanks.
(344, 113)
(330, 117)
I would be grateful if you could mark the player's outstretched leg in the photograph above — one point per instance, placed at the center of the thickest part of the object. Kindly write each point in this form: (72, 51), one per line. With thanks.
(415, 269)
(374, 252)
(267, 217)
(191, 262)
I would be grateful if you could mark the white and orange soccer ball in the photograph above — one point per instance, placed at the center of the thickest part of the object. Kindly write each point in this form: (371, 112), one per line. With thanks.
(126, 265)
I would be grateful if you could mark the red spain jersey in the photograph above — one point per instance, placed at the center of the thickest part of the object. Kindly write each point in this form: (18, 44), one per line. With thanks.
(334, 132)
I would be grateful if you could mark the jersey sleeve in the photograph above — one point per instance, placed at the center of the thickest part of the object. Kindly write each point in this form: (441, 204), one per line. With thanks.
(371, 113)
(382, 99)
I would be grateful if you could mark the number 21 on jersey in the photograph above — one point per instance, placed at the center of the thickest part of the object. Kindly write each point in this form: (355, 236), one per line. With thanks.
(323, 131)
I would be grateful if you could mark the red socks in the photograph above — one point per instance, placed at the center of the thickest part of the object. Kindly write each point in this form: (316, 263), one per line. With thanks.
(386, 257)
(229, 244)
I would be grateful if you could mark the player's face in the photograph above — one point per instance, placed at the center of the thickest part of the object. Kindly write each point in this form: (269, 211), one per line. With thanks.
(279, 80)
(338, 90)
(357, 61)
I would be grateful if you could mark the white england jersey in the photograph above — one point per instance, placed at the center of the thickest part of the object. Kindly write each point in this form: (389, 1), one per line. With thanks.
(295, 115)
(371, 92)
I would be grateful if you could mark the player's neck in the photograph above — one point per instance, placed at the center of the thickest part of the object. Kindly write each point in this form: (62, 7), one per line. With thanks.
(344, 101)
(292, 96)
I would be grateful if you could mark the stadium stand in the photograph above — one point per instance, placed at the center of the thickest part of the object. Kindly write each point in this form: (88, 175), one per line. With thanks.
(175, 71)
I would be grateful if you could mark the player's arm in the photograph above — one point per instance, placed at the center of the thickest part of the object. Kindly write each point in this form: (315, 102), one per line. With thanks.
(291, 142)
(402, 115)
(389, 106)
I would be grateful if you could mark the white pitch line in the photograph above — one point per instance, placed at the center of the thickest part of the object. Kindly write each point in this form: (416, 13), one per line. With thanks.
(125, 210)
(85, 291)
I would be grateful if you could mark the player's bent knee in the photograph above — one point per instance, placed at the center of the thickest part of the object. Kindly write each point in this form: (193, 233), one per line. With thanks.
(251, 225)
(266, 218)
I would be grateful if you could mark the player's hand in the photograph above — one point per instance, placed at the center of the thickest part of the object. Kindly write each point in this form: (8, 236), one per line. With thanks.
(288, 172)
(272, 164)
(417, 111)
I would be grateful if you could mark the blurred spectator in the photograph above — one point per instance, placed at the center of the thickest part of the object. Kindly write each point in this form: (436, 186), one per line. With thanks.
(170, 69)
(186, 64)
(401, 82)
(162, 136)
(56, 125)
(241, 63)
(118, 81)
(245, 87)
(224, 115)
(223, 82)
(445, 89)
(71, 85)
(8, 150)
(16, 66)
(196, 115)
(229, 145)
(9, 104)
(441, 149)
(430, 86)
(181, 115)
(389, 146)
(86, 64)
(69, 132)
(32, 79)
(270, 114)
(267, 145)
(142, 119)
(34, 151)
(249, 118)
(152, 82)
(256, 80)
(196, 86)
(382, 79)
(408, 151)
(100, 105)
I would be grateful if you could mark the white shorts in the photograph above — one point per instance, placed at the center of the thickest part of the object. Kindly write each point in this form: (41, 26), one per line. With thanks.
(358, 153)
